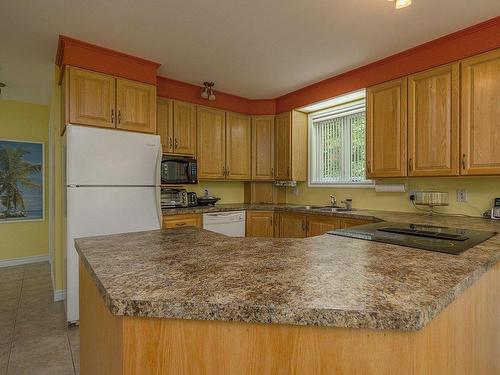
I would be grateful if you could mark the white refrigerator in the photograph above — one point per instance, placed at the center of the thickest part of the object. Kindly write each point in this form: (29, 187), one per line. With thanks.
(112, 186)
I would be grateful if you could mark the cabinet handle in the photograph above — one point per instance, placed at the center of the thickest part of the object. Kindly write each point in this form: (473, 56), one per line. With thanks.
(227, 171)
(463, 161)
(112, 115)
(180, 224)
(368, 168)
(170, 142)
(224, 171)
(410, 164)
(271, 219)
(288, 171)
(272, 171)
(176, 146)
(119, 116)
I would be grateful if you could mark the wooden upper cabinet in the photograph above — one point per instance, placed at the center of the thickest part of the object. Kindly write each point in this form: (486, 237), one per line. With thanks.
(238, 147)
(135, 106)
(318, 225)
(283, 146)
(386, 129)
(263, 148)
(211, 143)
(433, 120)
(290, 146)
(260, 224)
(184, 128)
(480, 114)
(91, 98)
(164, 124)
(292, 225)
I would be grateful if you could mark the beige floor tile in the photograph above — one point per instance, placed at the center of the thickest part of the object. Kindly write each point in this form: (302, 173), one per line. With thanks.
(4, 358)
(36, 297)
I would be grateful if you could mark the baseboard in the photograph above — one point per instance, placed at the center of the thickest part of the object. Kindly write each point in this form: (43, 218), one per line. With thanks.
(59, 295)
(25, 260)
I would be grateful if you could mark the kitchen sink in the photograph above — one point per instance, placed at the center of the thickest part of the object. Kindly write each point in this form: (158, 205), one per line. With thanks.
(308, 207)
(334, 209)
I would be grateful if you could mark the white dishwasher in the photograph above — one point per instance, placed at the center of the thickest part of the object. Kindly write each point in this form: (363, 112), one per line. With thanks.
(228, 223)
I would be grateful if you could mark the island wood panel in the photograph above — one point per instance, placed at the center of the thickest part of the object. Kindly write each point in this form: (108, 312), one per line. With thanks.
(101, 333)
(184, 128)
(386, 129)
(262, 147)
(318, 224)
(260, 223)
(461, 340)
(164, 124)
(480, 114)
(91, 98)
(433, 119)
(183, 220)
(211, 143)
(292, 225)
(238, 146)
(347, 223)
(135, 106)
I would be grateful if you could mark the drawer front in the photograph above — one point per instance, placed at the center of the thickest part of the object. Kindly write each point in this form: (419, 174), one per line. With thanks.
(180, 221)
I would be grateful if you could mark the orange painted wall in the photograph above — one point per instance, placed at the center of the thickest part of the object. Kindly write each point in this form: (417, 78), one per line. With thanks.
(461, 44)
(173, 89)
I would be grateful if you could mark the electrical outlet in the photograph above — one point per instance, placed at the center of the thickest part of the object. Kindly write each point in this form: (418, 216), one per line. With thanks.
(461, 195)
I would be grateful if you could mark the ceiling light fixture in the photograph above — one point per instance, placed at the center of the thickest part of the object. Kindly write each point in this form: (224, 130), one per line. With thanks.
(402, 3)
(208, 91)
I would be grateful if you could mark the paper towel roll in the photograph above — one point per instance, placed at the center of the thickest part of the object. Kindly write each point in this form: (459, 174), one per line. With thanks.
(390, 188)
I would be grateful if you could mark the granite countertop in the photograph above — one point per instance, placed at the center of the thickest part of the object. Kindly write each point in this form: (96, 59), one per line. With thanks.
(326, 280)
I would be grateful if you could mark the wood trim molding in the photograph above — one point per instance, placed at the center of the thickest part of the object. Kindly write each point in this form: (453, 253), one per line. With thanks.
(461, 44)
(104, 60)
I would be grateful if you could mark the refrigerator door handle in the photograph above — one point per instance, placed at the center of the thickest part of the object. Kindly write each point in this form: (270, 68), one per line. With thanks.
(158, 185)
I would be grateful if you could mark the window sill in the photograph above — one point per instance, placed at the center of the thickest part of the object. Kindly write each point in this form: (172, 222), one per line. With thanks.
(353, 185)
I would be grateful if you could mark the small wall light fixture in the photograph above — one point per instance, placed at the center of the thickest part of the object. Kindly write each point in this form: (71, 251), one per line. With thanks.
(2, 85)
(208, 91)
(402, 3)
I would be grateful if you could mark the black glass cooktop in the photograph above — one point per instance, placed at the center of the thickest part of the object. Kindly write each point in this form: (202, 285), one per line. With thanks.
(427, 237)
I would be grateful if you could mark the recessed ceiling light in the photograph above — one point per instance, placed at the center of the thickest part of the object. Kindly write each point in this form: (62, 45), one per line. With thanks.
(402, 3)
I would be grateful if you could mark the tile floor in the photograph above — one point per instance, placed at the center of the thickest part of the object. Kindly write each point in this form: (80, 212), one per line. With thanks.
(34, 337)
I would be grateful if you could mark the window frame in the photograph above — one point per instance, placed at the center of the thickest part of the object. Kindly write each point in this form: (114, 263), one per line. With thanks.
(327, 113)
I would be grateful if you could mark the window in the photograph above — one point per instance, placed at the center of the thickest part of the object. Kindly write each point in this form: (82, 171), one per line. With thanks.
(337, 145)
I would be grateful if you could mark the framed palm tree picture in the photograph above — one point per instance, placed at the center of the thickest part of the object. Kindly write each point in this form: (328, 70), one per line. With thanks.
(21, 180)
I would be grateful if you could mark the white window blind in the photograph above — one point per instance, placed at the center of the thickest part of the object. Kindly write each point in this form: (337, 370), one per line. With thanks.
(337, 145)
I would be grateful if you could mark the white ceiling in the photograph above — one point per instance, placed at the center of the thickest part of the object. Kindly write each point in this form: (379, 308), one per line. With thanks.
(255, 49)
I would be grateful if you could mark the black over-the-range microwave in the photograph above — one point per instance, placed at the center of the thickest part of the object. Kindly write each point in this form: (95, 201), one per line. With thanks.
(178, 170)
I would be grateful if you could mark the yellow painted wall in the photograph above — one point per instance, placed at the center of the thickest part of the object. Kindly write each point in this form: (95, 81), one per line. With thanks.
(228, 191)
(25, 122)
(481, 192)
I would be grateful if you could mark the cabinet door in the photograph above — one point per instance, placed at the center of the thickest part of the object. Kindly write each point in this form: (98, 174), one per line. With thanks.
(136, 106)
(184, 128)
(260, 224)
(318, 225)
(91, 98)
(164, 124)
(282, 134)
(263, 148)
(292, 225)
(386, 129)
(211, 143)
(184, 220)
(347, 223)
(433, 115)
(480, 114)
(238, 147)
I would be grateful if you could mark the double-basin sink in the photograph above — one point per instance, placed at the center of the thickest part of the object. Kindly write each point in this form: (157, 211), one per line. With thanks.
(326, 208)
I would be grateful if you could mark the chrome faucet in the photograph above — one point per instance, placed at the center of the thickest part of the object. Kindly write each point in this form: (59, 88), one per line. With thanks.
(333, 200)
(348, 204)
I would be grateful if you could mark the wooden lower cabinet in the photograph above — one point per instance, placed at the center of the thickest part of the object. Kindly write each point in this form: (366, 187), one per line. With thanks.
(318, 225)
(346, 223)
(183, 220)
(260, 224)
(292, 225)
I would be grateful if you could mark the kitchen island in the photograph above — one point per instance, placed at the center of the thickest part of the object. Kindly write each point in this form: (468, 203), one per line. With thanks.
(189, 301)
